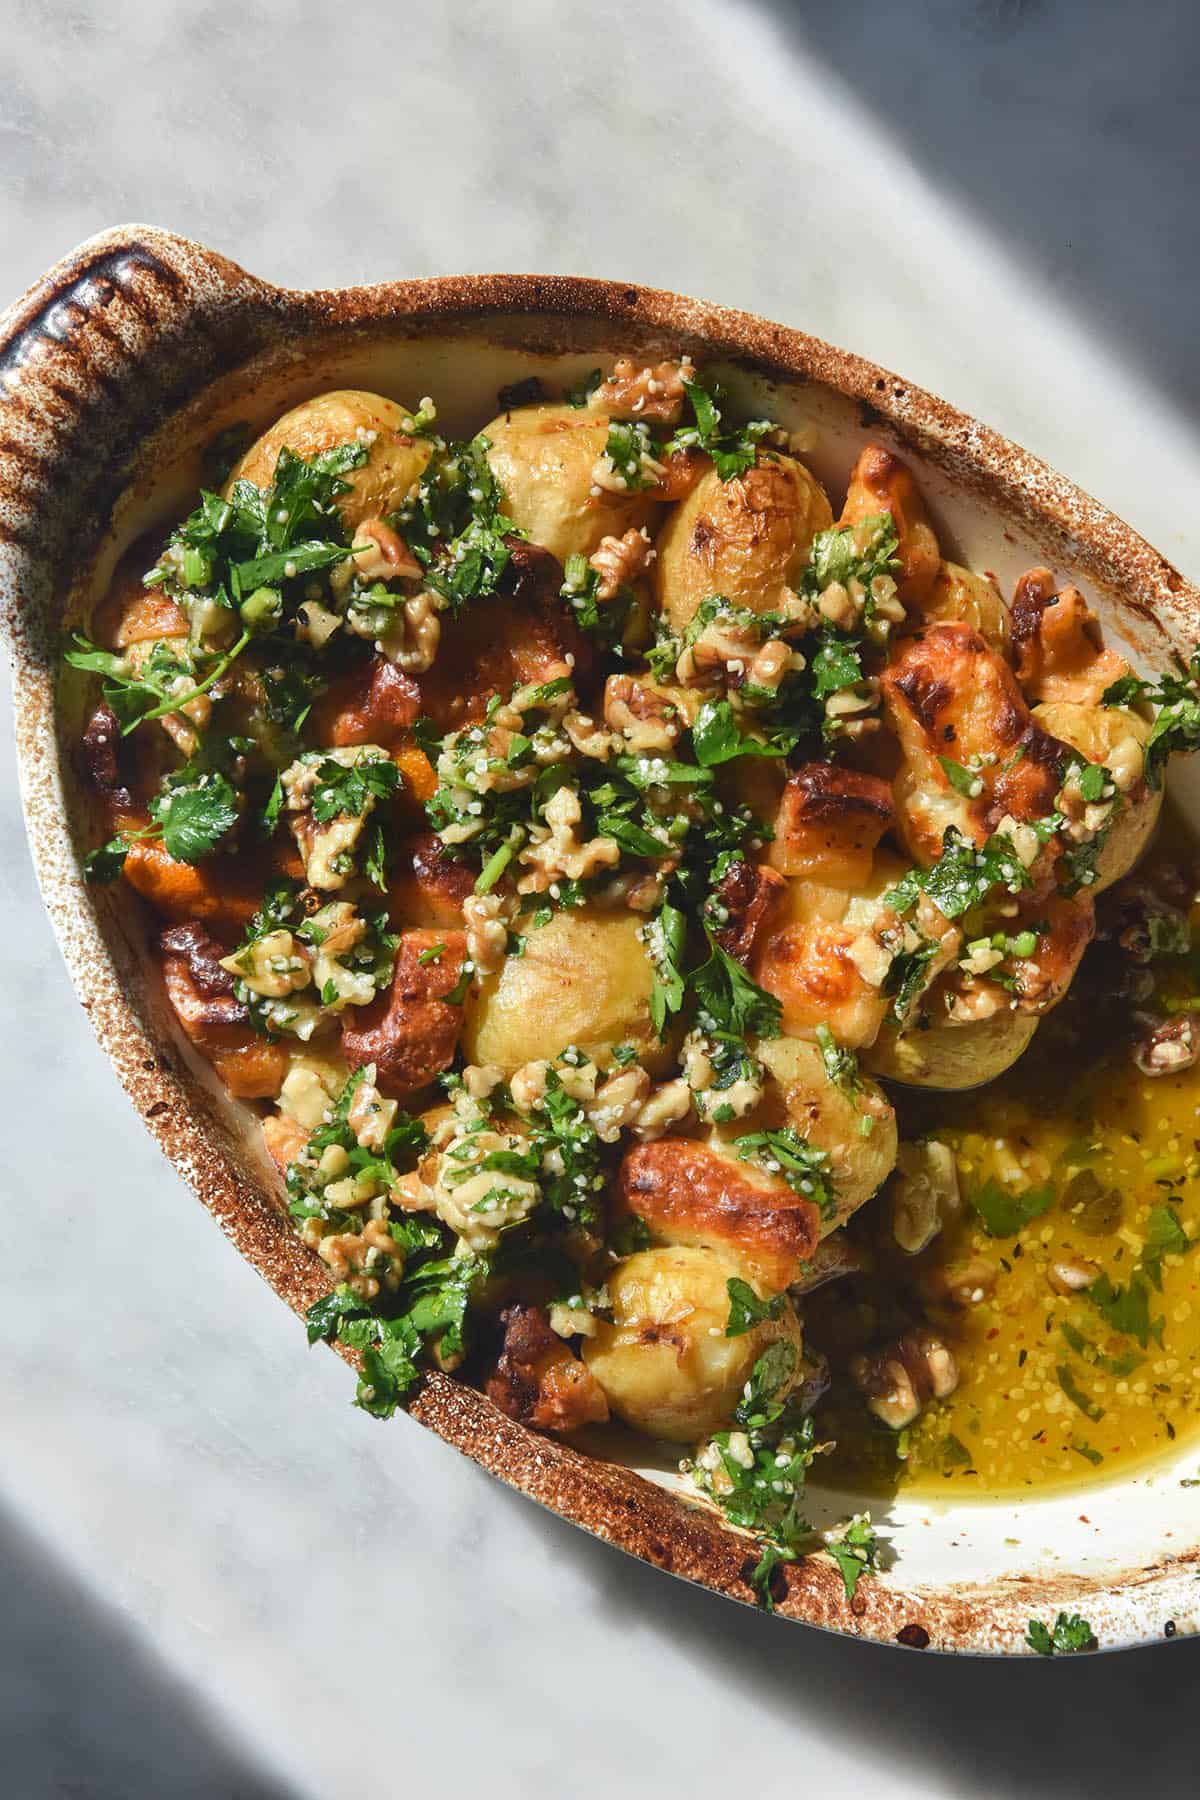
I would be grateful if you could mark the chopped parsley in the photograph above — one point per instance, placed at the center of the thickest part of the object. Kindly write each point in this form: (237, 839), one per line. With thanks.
(1003, 1212)
(1065, 1637)
(1177, 722)
(733, 449)
(785, 1152)
(746, 1310)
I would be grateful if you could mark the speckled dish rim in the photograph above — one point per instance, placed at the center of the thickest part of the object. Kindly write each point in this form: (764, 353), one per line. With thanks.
(135, 325)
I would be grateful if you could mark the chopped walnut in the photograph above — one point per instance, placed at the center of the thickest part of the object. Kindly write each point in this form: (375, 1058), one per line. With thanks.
(712, 1102)
(589, 738)
(670, 1102)
(900, 1380)
(1072, 1274)
(960, 1284)
(1167, 1045)
(619, 1103)
(365, 1260)
(384, 556)
(487, 917)
(620, 560)
(412, 639)
(924, 1192)
(558, 853)
(727, 644)
(645, 393)
(648, 720)
(851, 711)
(370, 1116)
(775, 660)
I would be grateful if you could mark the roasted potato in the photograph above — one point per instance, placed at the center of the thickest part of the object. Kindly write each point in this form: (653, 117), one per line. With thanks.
(802, 1095)
(543, 457)
(693, 1193)
(975, 600)
(411, 1031)
(880, 482)
(1116, 737)
(585, 978)
(1058, 643)
(947, 696)
(829, 823)
(665, 1363)
(951, 1056)
(395, 460)
(747, 538)
(806, 956)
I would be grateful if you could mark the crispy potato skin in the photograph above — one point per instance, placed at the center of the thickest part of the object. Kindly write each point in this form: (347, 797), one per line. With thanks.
(951, 1056)
(522, 634)
(959, 595)
(693, 1193)
(802, 1095)
(746, 539)
(829, 822)
(427, 887)
(223, 893)
(395, 461)
(538, 1381)
(665, 1363)
(1059, 649)
(807, 965)
(411, 1032)
(543, 457)
(880, 482)
(750, 894)
(585, 978)
(250, 1066)
(1106, 734)
(947, 694)
(374, 704)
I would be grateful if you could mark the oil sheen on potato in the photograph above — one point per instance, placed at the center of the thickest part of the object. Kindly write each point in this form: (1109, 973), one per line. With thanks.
(1055, 1389)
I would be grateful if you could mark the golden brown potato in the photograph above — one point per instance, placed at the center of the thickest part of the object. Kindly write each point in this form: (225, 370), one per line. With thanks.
(880, 482)
(692, 1193)
(975, 600)
(585, 979)
(951, 1056)
(804, 955)
(543, 457)
(1116, 737)
(828, 824)
(747, 539)
(1058, 643)
(665, 1363)
(947, 695)
(803, 1096)
(394, 461)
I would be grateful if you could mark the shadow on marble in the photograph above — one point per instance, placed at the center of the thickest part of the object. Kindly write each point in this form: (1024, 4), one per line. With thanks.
(85, 1712)
(1068, 126)
(1096, 1728)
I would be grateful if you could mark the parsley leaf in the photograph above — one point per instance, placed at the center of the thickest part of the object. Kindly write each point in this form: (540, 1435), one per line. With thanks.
(1165, 1236)
(1177, 724)
(1068, 1635)
(1004, 1213)
(717, 737)
(855, 1552)
(343, 791)
(667, 942)
(785, 1152)
(1126, 1309)
(729, 1001)
(746, 1310)
(734, 449)
(194, 817)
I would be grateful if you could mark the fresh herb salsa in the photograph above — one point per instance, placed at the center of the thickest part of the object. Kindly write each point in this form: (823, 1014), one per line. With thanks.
(604, 869)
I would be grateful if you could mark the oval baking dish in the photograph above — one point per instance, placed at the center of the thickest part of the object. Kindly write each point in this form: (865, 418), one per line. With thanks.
(134, 352)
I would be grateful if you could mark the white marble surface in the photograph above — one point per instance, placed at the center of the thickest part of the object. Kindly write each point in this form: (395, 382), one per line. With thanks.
(217, 1578)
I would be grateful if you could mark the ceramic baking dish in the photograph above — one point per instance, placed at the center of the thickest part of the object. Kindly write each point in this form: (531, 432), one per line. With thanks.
(133, 352)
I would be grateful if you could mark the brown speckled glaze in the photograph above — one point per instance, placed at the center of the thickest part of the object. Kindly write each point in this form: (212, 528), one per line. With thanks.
(138, 326)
